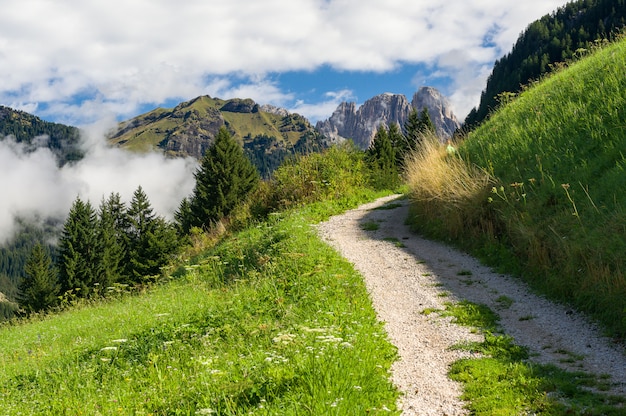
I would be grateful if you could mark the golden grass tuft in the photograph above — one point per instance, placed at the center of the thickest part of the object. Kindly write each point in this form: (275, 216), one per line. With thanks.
(444, 187)
(435, 175)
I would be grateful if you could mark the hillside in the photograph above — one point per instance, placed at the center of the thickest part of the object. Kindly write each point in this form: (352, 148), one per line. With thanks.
(557, 37)
(26, 128)
(268, 134)
(554, 208)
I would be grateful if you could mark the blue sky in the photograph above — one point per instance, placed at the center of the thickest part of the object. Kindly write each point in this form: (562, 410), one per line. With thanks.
(77, 62)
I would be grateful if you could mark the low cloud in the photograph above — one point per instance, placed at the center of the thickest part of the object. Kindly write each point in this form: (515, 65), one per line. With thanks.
(35, 188)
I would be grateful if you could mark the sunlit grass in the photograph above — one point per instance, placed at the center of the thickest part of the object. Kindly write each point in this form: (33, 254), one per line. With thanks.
(501, 380)
(537, 189)
(271, 321)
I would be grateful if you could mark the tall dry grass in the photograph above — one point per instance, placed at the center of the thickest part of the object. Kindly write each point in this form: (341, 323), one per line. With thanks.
(448, 193)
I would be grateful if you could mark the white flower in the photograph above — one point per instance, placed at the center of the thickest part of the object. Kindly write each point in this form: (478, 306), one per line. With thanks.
(108, 349)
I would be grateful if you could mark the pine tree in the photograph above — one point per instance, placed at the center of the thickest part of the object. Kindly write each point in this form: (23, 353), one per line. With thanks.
(381, 158)
(39, 288)
(398, 143)
(112, 227)
(151, 240)
(412, 129)
(416, 127)
(184, 217)
(426, 123)
(79, 249)
(224, 179)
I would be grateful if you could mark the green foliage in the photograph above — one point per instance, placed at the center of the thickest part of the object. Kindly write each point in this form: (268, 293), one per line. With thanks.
(62, 140)
(151, 240)
(224, 180)
(572, 30)
(112, 238)
(272, 321)
(336, 174)
(550, 208)
(79, 249)
(381, 159)
(40, 287)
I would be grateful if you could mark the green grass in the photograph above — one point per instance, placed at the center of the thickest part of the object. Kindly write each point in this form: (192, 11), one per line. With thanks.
(558, 152)
(370, 226)
(271, 321)
(504, 382)
(395, 242)
(537, 189)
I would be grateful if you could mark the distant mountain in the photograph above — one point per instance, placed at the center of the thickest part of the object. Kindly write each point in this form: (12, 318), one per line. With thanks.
(267, 133)
(34, 132)
(556, 37)
(360, 124)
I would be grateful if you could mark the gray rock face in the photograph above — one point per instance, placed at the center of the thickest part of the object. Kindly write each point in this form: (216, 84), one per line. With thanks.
(268, 108)
(439, 110)
(360, 125)
(237, 105)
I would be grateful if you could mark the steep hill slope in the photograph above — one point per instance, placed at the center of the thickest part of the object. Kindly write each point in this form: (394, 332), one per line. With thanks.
(268, 134)
(556, 37)
(558, 151)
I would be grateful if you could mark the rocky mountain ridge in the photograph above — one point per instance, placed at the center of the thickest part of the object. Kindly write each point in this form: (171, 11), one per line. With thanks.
(360, 124)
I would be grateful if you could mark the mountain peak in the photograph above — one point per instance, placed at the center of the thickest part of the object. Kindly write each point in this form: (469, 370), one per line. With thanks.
(360, 125)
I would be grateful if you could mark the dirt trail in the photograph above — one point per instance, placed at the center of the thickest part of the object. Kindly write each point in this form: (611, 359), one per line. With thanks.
(404, 279)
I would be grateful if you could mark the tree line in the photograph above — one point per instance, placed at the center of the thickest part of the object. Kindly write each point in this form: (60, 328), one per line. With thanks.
(390, 146)
(116, 244)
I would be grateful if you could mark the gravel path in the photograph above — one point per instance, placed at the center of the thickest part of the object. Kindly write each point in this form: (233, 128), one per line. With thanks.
(403, 281)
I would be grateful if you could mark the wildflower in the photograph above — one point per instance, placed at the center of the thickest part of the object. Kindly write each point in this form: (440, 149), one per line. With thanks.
(108, 349)
(119, 341)
(283, 339)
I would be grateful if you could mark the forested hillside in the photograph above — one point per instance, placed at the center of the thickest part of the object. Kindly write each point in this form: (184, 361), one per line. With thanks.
(569, 32)
(25, 128)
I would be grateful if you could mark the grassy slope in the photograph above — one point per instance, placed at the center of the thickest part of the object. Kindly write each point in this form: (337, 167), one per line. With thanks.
(558, 152)
(271, 321)
(150, 135)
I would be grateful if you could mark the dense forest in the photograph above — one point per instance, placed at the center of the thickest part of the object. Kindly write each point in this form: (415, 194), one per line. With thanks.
(25, 128)
(570, 31)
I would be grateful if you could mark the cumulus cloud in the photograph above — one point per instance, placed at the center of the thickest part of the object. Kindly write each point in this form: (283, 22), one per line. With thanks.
(76, 57)
(35, 188)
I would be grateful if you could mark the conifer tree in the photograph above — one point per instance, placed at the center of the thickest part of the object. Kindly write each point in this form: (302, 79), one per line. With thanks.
(416, 127)
(39, 288)
(426, 124)
(79, 249)
(398, 143)
(381, 158)
(224, 179)
(412, 130)
(112, 238)
(151, 240)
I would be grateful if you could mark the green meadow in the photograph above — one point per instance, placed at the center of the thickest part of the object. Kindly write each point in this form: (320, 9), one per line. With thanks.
(270, 321)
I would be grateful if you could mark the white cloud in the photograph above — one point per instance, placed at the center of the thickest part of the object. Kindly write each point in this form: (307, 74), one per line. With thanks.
(321, 110)
(131, 52)
(33, 186)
